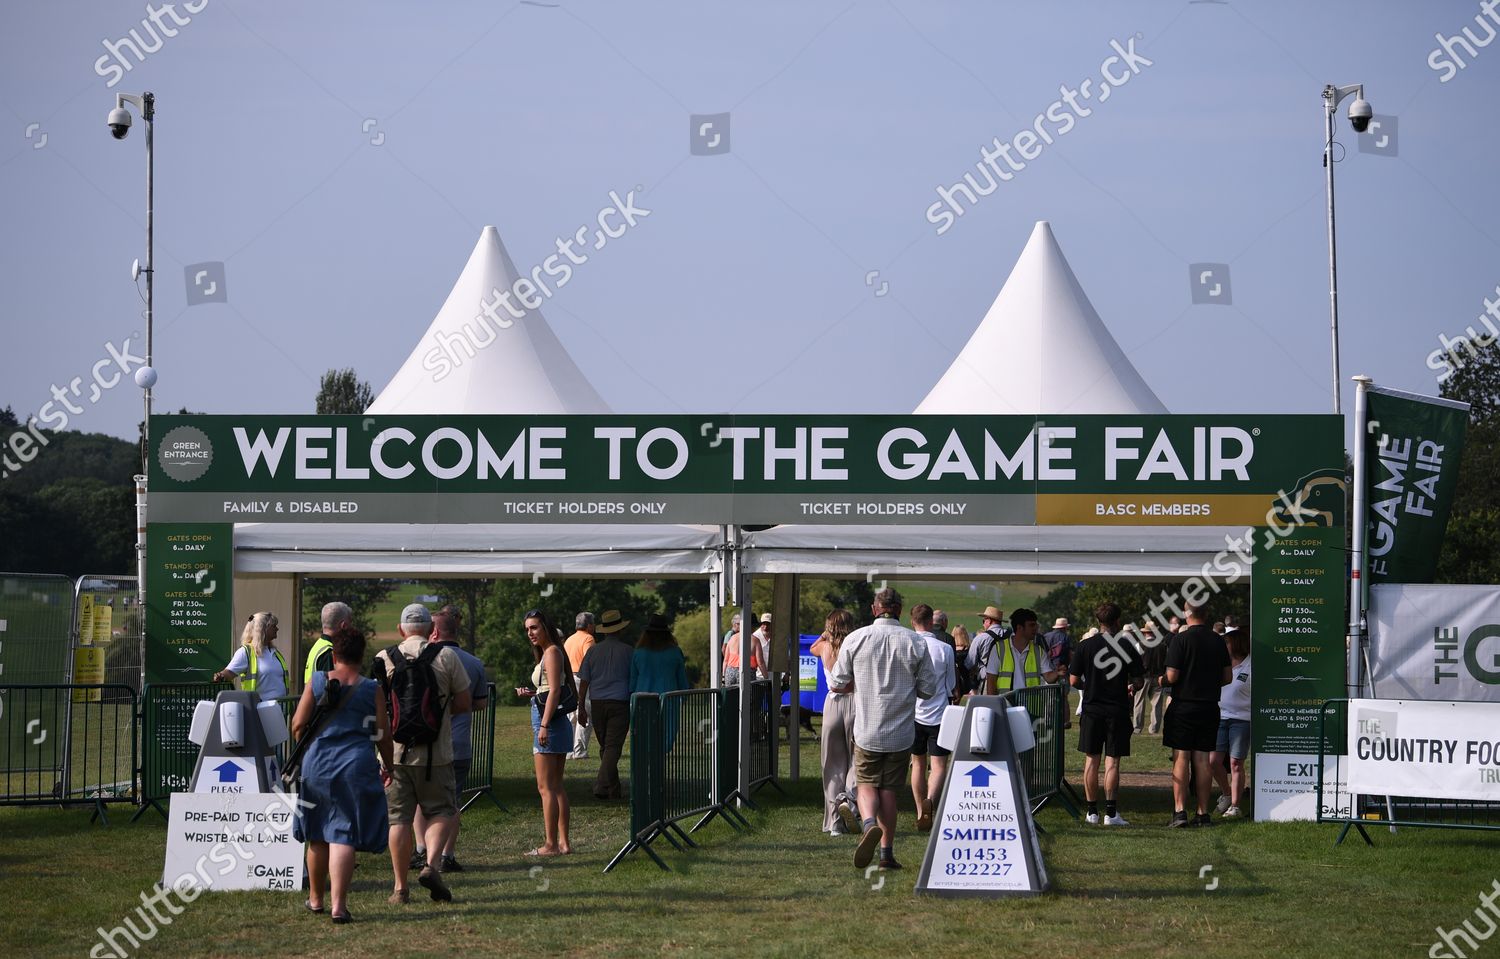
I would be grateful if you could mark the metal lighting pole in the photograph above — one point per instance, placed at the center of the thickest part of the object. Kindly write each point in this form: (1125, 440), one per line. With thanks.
(1359, 115)
(145, 377)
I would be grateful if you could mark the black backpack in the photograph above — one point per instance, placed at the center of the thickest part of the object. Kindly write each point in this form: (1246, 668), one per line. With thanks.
(413, 700)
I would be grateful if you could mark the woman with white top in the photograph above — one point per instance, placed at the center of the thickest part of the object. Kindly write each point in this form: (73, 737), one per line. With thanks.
(1234, 726)
(257, 664)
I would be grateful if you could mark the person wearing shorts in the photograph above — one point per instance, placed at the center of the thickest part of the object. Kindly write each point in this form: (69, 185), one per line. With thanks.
(1197, 668)
(1107, 667)
(423, 775)
(927, 786)
(886, 667)
(1233, 746)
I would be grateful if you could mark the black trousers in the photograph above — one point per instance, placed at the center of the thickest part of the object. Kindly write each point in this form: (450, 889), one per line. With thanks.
(611, 721)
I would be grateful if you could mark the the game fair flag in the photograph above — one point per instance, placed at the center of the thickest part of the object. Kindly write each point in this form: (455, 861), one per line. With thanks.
(1411, 446)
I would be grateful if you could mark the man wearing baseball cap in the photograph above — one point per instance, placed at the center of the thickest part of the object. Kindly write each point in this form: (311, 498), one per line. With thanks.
(422, 774)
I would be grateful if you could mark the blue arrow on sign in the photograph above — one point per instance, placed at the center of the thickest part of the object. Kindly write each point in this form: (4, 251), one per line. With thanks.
(979, 776)
(229, 772)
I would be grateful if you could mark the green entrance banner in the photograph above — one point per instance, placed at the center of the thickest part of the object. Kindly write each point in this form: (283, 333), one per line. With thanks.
(744, 470)
(189, 601)
(1411, 471)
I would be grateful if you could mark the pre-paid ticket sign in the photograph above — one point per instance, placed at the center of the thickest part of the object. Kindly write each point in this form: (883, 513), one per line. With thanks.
(232, 841)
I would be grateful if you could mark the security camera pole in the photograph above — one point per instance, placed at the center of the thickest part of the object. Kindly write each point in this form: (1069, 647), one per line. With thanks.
(1359, 117)
(145, 377)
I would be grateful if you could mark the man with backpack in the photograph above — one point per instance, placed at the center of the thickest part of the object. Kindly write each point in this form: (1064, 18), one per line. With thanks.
(425, 685)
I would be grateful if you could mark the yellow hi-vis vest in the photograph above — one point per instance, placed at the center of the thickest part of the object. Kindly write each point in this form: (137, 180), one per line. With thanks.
(251, 679)
(317, 649)
(1005, 679)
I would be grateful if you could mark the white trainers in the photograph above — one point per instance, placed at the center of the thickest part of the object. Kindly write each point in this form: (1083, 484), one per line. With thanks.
(1115, 820)
(1092, 819)
(1221, 805)
(1233, 812)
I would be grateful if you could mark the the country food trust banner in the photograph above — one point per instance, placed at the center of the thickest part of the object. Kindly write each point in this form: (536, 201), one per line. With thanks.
(1435, 642)
(1428, 749)
(969, 470)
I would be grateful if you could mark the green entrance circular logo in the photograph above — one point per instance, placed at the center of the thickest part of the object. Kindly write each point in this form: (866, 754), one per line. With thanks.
(185, 453)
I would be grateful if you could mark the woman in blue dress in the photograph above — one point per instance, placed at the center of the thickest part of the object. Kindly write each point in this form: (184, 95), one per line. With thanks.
(658, 666)
(342, 803)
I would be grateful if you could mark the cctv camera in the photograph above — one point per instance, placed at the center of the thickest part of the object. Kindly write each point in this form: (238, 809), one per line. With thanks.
(1360, 113)
(119, 122)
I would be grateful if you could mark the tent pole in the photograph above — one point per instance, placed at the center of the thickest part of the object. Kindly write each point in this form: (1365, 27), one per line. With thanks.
(747, 705)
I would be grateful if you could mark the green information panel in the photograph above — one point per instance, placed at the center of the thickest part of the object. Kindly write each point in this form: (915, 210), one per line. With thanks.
(1297, 635)
(189, 601)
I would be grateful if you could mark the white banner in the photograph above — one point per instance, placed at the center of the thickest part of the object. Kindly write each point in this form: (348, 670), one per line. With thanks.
(1435, 642)
(1286, 788)
(232, 841)
(1434, 750)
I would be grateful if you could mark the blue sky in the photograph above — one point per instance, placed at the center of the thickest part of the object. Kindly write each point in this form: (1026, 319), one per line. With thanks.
(341, 159)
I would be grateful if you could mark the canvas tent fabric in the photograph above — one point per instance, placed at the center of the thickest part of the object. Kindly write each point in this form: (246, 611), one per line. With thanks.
(469, 361)
(1145, 553)
(1041, 348)
(400, 550)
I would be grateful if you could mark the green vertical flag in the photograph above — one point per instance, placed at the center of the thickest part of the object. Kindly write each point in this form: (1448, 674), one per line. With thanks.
(1411, 471)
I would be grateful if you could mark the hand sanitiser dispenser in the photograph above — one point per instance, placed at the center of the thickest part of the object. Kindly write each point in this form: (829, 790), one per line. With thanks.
(981, 723)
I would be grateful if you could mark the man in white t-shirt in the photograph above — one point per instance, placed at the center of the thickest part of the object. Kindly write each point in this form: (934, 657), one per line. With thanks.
(927, 785)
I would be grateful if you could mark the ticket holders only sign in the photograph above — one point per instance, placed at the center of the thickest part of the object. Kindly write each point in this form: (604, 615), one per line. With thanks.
(233, 841)
(1424, 749)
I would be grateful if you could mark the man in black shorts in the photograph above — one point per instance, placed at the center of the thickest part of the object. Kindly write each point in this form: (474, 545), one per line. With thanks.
(1197, 668)
(1107, 668)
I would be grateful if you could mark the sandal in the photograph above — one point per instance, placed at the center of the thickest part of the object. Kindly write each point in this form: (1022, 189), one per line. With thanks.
(541, 853)
(342, 918)
(311, 908)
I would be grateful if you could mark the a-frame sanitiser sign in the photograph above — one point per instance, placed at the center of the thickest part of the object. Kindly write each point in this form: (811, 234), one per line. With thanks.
(983, 841)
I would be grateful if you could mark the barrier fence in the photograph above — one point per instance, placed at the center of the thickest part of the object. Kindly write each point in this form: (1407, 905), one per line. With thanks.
(36, 626)
(1337, 805)
(762, 741)
(480, 780)
(106, 640)
(57, 748)
(167, 755)
(1042, 766)
(682, 763)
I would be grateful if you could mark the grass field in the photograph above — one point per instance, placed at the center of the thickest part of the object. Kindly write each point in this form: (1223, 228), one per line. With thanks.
(782, 888)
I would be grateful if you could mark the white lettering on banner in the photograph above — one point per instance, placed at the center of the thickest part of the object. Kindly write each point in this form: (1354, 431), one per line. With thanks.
(1429, 749)
(1404, 494)
(785, 454)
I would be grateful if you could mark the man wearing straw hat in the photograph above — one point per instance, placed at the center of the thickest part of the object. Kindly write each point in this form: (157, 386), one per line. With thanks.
(604, 699)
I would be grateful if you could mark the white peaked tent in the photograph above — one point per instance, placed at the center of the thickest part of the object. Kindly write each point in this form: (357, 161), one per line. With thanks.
(469, 361)
(1041, 348)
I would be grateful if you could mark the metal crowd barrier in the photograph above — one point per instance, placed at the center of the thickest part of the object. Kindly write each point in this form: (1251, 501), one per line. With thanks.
(68, 745)
(1043, 766)
(762, 737)
(677, 752)
(481, 778)
(167, 756)
(1337, 805)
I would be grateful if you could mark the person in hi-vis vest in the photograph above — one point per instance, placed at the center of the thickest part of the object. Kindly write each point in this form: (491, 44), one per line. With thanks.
(258, 664)
(337, 618)
(1020, 660)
